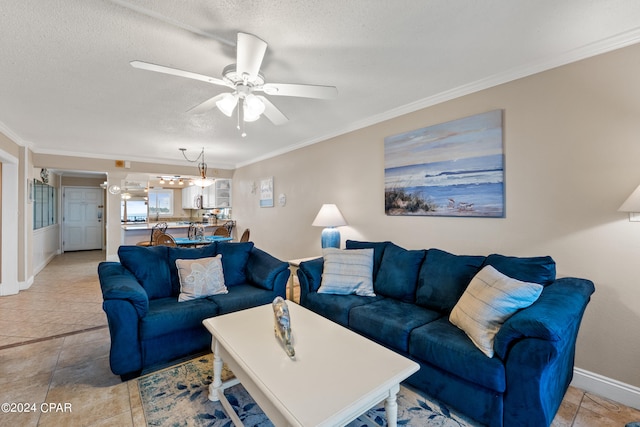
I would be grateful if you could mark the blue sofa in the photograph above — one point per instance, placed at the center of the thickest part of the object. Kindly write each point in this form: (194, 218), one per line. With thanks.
(524, 382)
(150, 328)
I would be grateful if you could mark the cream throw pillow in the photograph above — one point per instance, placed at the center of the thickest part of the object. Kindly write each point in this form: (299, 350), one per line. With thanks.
(200, 277)
(489, 300)
(347, 272)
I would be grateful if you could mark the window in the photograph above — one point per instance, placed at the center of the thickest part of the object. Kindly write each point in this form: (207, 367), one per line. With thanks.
(160, 203)
(133, 210)
(44, 205)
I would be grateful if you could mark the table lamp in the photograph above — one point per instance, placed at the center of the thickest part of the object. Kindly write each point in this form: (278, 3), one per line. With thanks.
(329, 217)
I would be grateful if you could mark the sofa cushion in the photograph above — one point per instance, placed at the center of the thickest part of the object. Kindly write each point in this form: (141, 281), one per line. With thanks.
(347, 272)
(378, 251)
(150, 267)
(489, 300)
(234, 261)
(442, 344)
(398, 274)
(336, 308)
(167, 315)
(444, 277)
(175, 253)
(200, 277)
(390, 321)
(540, 270)
(240, 297)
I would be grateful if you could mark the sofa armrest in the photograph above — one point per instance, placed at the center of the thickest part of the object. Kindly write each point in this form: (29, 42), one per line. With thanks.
(310, 276)
(537, 345)
(118, 283)
(267, 271)
(558, 309)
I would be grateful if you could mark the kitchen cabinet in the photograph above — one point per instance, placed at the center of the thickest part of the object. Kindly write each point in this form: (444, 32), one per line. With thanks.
(190, 196)
(215, 196)
(221, 193)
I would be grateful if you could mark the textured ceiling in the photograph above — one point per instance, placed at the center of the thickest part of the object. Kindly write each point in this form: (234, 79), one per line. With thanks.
(66, 86)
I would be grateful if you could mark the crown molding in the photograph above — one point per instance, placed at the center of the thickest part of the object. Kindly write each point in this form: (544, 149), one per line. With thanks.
(9, 133)
(610, 44)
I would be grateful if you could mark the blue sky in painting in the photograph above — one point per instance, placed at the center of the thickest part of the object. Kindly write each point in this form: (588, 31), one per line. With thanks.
(475, 136)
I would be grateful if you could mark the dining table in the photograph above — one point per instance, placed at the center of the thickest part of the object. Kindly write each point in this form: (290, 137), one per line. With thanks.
(186, 241)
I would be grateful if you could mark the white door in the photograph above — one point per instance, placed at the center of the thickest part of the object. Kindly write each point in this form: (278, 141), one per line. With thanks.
(82, 218)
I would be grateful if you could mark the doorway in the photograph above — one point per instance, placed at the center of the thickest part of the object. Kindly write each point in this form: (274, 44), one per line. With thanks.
(82, 222)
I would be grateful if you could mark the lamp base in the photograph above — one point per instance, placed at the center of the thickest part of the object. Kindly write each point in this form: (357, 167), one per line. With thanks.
(330, 238)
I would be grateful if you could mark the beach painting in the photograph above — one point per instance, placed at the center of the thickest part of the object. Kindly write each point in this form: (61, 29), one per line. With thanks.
(450, 169)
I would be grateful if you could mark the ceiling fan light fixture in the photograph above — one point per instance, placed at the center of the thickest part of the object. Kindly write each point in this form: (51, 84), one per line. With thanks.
(253, 108)
(227, 104)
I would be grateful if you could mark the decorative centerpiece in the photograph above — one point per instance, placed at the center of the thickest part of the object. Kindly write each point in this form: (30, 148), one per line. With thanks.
(282, 325)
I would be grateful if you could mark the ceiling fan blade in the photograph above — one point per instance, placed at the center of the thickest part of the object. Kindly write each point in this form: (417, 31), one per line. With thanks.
(180, 73)
(206, 105)
(304, 91)
(250, 54)
(272, 112)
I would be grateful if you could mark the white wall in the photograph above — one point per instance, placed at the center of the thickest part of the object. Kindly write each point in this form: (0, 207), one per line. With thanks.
(572, 148)
(46, 245)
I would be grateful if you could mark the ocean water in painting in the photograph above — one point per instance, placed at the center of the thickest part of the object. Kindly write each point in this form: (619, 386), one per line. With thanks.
(452, 169)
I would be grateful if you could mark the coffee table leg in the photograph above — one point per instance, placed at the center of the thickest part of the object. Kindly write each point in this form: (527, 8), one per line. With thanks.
(391, 407)
(216, 386)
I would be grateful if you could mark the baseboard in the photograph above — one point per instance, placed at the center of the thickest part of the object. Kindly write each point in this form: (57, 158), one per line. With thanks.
(606, 387)
(37, 269)
(26, 284)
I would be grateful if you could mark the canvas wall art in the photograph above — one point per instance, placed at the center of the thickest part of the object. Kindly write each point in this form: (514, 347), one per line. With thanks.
(266, 193)
(450, 169)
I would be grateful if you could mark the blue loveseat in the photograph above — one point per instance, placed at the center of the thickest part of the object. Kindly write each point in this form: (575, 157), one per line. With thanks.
(524, 382)
(149, 327)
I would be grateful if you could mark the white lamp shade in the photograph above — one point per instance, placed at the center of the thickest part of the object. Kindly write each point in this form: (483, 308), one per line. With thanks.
(632, 204)
(329, 216)
(227, 104)
(253, 108)
(202, 182)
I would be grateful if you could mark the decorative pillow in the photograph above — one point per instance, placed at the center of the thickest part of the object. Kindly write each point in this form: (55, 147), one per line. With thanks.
(200, 278)
(378, 251)
(489, 300)
(186, 253)
(347, 272)
(398, 274)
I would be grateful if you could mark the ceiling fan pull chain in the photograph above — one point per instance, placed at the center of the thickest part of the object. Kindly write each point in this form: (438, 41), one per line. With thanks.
(241, 117)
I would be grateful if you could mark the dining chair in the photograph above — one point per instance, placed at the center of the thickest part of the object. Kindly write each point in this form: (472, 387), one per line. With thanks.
(165, 239)
(159, 228)
(245, 236)
(191, 232)
(221, 231)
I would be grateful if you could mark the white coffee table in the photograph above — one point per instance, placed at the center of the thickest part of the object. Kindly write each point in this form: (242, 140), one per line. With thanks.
(336, 376)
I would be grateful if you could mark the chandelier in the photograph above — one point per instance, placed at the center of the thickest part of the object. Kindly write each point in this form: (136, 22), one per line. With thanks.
(202, 180)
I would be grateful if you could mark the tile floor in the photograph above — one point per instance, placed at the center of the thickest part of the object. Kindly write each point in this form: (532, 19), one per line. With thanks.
(54, 346)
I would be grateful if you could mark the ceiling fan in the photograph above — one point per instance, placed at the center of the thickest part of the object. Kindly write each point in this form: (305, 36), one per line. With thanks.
(244, 78)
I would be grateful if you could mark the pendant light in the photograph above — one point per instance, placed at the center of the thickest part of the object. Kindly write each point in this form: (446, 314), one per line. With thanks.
(202, 180)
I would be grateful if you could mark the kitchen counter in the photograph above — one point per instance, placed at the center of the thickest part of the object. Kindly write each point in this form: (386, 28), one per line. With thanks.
(149, 226)
(133, 233)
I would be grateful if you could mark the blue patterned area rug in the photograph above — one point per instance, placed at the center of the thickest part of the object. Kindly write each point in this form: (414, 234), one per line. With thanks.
(177, 396)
